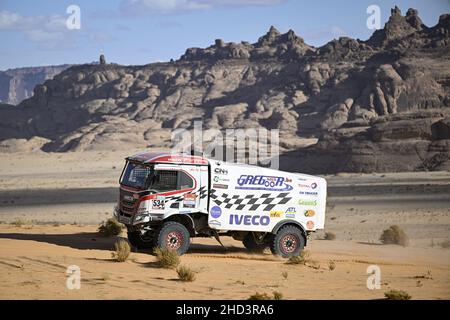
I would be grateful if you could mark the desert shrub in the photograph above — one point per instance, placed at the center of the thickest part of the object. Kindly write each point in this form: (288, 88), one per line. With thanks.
(121, 250)
(303, 258)
(394, 235)
(110, 227)
(331, 265)
(168, 259)
(329, 236)
(397, 295)
(18, 222)
(264, 296)
(259, 296)
(277, 295)
(185, 274)
(445, 244)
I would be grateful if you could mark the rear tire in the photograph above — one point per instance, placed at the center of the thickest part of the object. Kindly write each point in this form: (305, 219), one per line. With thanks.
(251, 245)
(288, 242)
(142, 241)
(173, 236)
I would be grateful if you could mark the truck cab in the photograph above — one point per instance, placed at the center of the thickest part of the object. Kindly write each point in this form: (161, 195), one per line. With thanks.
(165, 199)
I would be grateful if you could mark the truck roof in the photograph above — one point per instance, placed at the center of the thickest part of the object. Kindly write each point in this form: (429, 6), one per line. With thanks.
(167, 157)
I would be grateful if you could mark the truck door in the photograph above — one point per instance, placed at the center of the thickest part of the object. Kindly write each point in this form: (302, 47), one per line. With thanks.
(181, 185)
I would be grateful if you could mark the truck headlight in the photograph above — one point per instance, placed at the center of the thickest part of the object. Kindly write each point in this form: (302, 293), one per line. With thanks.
(141, 218)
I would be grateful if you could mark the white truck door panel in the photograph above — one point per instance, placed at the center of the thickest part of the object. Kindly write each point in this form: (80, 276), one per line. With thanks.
(250, 198)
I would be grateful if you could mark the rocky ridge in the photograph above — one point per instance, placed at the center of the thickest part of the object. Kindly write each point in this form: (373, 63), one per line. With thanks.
(375, 105)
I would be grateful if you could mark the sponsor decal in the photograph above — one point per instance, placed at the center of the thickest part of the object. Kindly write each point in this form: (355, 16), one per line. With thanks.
(303, 202)
(220, 186)
(307, 185)
(129, 198)
(215, 212)
(276, 214)
(189, 200)
(270, 183)
(290, 212)
(310, 225)
(249, 220)
(217, 179)
(308, 193)
(220, 171)
(158, 203)
(309, 213)
(215, 223)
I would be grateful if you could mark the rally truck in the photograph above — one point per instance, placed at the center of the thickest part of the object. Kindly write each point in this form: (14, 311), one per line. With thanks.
(165, 199)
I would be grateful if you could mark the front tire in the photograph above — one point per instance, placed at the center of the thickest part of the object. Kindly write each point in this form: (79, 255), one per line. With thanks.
(141, 240)
(173, 236)
(288, 242)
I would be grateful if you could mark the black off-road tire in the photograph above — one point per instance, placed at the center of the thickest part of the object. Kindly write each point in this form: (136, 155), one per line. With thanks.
(140, 241)
(251, 245)
(288, 242)
(173, 236)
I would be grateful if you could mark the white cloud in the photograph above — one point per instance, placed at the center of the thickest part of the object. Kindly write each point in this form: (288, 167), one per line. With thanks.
(41, 29)
(49, 32)
(139, 7)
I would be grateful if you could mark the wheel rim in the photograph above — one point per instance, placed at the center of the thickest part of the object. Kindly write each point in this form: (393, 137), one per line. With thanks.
(289, 243)
(174, 240)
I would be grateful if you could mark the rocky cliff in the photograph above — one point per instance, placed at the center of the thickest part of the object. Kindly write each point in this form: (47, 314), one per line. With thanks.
(18, 84)
(375, 105)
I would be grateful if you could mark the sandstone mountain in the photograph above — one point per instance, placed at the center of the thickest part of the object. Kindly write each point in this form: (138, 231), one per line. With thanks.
(18, 84)
(376, 105)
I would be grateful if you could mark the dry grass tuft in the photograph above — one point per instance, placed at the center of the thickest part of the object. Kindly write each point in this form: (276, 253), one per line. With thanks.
(185, 274)
(121, 250)
(397, 295)
(264, 296)
(329, 236)
(110, 227)
(168, 259)
(394, 235)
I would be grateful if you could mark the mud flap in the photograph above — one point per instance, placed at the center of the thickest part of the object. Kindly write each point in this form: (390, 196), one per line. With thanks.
(216, 236)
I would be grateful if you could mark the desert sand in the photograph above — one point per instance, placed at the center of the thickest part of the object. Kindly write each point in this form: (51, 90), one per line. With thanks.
(51, 205)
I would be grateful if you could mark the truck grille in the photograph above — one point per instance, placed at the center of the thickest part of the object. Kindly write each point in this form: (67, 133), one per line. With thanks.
(127, 206)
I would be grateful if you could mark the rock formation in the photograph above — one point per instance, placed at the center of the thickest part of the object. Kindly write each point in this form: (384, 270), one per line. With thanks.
(375, 105)
(18, 84)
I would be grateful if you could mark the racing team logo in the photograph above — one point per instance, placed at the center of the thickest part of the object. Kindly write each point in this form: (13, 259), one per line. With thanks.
(269, 183)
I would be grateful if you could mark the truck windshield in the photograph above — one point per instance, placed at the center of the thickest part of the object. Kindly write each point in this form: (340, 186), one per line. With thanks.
(137, 176)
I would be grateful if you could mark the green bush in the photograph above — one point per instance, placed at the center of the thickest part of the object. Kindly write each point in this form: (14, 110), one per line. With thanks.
(110, 227)
(394, 235)
(168, 259)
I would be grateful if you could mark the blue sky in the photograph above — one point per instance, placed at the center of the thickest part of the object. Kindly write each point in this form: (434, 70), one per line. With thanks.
(34, 33)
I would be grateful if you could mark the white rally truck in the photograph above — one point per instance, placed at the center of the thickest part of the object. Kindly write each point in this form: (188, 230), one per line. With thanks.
(166, 199)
